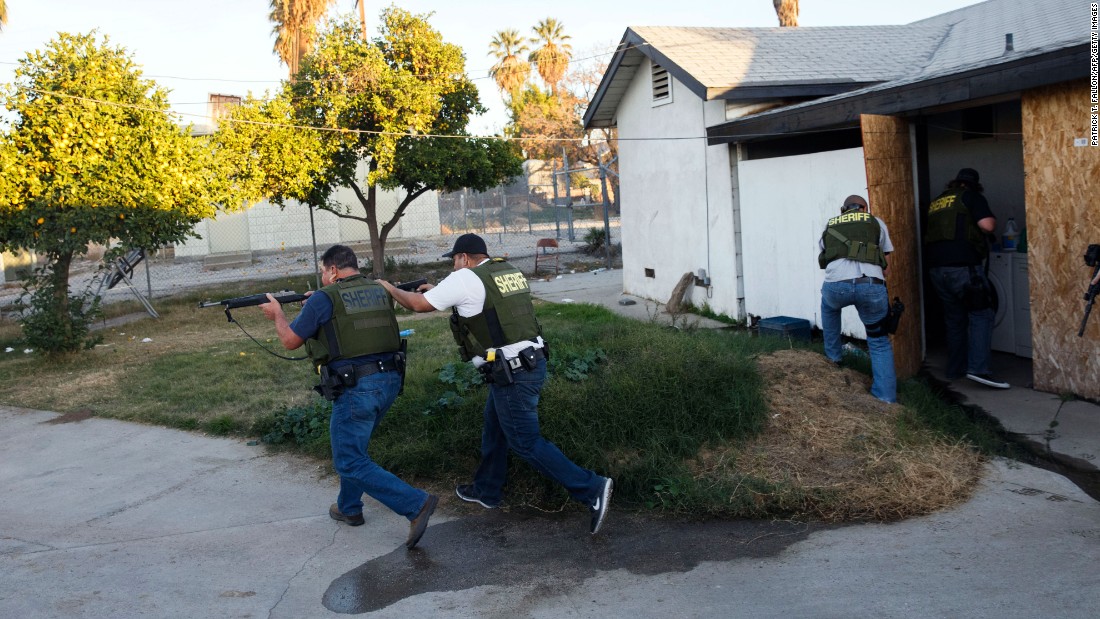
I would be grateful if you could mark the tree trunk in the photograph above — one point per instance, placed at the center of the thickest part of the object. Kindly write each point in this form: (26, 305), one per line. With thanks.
(363, 17)
(377, 244)
(787, 11)
(60, 277)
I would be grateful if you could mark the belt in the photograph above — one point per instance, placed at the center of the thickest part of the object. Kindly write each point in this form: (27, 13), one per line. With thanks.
(366, 369)
(866, 279)
(515, 364)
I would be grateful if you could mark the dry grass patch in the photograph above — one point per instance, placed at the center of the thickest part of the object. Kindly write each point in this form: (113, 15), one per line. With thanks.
(831, 450)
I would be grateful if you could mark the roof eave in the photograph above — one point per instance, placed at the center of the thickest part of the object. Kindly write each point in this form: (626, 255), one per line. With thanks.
(784, 90)
(633, 42)
(1043, 69)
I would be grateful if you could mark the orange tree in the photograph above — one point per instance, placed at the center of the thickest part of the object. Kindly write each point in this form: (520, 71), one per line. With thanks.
(91, 156)
(372, 109)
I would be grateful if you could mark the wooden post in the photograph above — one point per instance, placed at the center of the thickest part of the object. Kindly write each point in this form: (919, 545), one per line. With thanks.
(887, 156)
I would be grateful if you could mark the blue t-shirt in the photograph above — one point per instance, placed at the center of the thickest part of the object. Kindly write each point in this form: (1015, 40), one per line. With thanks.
(317, 311)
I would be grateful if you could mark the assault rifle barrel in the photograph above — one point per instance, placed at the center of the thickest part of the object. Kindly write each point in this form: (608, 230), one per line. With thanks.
(284, 296)
(411, 286)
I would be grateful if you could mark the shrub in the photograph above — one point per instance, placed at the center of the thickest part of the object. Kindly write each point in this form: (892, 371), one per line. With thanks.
(301, 425)
(42, 317)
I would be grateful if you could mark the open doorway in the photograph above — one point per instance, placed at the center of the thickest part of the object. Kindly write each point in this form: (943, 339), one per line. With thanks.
(987, 138)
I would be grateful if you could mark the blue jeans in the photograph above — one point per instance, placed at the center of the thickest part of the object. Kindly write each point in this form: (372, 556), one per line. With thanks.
(512, 422)
(969, 334)
(872, 302)
(355, 415)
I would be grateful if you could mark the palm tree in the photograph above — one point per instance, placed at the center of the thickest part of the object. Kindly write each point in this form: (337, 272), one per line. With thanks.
(362, 16)
(552, 57)
(510, 73)
(787, 10)
(295, 26)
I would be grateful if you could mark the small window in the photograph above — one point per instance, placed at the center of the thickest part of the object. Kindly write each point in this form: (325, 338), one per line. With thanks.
(650, 273)
(662, 85)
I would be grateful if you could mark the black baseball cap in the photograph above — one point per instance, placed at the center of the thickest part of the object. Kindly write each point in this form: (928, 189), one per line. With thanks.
(967, 175)
(853, 202)
(468, 243)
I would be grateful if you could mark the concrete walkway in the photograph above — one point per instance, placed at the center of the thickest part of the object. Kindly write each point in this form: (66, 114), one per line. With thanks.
(102, 518)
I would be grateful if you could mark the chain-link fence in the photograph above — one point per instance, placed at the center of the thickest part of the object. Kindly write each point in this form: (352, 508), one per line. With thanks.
(267, 241)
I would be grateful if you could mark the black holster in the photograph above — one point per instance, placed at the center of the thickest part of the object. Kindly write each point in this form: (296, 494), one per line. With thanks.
(400, 358)
(500, 373)
(333, 384)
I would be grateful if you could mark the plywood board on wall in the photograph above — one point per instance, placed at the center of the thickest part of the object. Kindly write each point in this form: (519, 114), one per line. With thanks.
(888, 159)
(1061, 189)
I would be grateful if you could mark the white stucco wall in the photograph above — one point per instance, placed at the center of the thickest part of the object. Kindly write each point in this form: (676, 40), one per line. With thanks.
(676, 196)
(266, 227)
(785, 202)
(999, 160)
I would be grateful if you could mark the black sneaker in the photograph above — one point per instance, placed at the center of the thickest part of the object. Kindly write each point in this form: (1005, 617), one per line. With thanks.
(353, 520)
(418, 525)
(466, 492)
(599, 508)
(988, 380)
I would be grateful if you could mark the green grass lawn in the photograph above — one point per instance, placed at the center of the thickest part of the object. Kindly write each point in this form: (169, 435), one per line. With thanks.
(626, 398)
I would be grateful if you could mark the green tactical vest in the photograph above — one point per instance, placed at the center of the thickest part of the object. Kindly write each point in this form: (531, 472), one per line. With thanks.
(854, 236)
(363, 322)
(943, 218)
(508, 315)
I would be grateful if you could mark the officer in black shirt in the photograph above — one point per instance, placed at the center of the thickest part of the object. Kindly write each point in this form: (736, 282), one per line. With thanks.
(955, 246)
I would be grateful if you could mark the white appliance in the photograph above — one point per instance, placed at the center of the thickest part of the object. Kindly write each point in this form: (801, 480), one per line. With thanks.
(1001, 266)
(1021, 305)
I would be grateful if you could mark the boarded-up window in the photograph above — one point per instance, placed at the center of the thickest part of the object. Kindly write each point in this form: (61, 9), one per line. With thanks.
(662, 85)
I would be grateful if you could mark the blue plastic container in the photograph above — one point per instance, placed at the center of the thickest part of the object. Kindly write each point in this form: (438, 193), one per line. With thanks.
(786, 326)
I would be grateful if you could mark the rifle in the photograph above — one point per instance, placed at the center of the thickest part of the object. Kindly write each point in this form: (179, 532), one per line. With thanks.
(411, 286)
(283, 297)
(1092, 259)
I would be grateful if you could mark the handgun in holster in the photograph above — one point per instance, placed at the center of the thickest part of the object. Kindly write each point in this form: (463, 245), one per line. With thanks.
(499, 372)
(399, 359)
(332, 383)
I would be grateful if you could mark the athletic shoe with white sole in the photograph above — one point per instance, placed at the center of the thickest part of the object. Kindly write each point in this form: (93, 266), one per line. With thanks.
(466, 492)
(988, 380)
(600, 507)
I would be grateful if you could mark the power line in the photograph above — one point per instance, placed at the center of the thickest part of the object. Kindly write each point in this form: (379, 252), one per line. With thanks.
(322, 129)
(505, 138)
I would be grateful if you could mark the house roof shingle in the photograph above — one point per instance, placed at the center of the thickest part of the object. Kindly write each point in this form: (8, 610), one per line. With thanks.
(844, 62)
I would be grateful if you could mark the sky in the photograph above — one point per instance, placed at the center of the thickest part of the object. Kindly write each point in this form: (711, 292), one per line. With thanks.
(199, 47)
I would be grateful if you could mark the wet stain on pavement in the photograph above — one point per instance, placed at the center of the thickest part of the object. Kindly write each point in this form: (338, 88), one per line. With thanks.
(509, 548)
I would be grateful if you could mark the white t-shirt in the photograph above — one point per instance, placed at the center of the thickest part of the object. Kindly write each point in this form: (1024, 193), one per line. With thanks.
(464, 291)
(843, 269)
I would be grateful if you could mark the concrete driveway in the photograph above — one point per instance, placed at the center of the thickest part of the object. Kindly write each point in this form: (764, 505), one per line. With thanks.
(102, 518)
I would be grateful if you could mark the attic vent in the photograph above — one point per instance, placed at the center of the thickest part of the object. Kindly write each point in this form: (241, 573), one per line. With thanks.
(662, 88)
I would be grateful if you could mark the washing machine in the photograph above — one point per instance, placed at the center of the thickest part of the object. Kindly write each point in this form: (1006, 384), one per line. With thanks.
(1021, 305)
(1001, 268)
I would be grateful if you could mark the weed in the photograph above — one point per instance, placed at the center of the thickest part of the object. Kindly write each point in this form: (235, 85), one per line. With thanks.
(707, 312)
(301, 425)
(576, 367)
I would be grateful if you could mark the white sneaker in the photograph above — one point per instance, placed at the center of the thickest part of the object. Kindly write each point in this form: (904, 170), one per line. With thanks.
(988, 380)
(599, 508)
